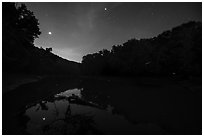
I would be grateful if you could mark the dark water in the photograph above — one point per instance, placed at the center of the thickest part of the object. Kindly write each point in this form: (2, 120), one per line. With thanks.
(101, 106)
(63, 116)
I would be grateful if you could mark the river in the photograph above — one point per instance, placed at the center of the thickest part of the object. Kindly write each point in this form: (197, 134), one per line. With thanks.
(107, 106)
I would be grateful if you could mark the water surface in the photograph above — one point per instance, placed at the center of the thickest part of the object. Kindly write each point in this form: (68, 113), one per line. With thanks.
(102, 106)
(60, 115)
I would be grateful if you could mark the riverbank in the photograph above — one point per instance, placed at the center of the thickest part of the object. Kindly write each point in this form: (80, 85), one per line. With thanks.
(12, 80)
(193, 84)
(174, 106)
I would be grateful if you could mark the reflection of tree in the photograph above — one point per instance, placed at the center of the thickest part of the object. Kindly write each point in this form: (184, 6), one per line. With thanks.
(43, 105)
(100, 99)
(56, 110)
(22, 122)
(67, 123)
(68, 111)
(71, 124)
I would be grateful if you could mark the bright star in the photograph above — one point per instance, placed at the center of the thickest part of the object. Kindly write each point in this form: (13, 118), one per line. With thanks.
(105, 8)
(50, 33)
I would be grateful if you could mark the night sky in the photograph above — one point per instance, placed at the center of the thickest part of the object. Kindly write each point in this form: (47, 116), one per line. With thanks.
(76, 29)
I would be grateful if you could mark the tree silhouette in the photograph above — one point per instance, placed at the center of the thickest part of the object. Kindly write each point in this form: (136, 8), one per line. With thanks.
(19, 55)
(174, 52)
(21, 20)
(28, 23)
(48, 49)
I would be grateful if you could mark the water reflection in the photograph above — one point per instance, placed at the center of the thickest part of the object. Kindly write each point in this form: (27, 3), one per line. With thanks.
(68, 113)
(68, 93)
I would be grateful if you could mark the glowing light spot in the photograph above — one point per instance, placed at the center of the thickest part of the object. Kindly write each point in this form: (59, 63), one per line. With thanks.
(50, 33)
(43, 118)
(147, 63)
(105, 8)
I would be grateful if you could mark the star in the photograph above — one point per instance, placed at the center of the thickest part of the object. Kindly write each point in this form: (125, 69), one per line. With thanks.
(105, 9)
(50, 33)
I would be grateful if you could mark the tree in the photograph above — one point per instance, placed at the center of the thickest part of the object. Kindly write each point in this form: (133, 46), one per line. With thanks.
(21, 21)
(9, 15)
(48, 49)
(28, 23)
(19, 29)
(177, 51)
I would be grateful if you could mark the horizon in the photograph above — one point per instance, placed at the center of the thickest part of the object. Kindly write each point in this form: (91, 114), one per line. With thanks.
(141, 71)
(75, 29)
(126, 41)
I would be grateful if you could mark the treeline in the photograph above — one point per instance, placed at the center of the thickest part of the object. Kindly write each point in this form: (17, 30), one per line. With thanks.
(177, 52)
(19, 55)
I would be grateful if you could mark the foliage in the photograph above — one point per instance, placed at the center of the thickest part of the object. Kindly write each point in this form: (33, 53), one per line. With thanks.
(21, 20)
(176, 52)
(19, 55)
(48, 49)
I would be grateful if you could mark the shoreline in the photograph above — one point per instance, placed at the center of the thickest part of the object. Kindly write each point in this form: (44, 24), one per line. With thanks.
(12, 81)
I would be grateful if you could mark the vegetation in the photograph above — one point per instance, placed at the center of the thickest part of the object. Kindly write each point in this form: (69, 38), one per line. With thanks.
(20, 29)
(177, 52)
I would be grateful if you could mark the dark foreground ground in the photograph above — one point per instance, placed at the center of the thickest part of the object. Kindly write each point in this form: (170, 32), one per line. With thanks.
(103, 105)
